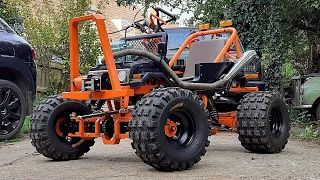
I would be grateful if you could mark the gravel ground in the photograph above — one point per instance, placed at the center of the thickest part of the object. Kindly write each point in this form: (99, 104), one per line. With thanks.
(225, 159)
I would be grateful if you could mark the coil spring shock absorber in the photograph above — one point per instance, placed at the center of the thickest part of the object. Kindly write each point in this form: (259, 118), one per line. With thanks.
(212, 110)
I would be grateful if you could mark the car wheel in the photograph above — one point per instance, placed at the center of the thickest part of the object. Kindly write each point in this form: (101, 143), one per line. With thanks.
(13, 109)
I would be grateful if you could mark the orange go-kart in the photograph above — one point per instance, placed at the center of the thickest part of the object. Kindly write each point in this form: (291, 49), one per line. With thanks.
(169, 118)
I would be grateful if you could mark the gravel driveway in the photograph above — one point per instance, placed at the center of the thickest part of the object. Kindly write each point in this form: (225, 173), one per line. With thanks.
(225, 159)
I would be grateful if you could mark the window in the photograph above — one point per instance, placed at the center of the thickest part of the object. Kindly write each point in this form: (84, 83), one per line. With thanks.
(176, 37)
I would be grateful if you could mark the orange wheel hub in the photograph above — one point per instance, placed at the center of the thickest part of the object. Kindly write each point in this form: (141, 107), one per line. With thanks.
(58, 130)
(170, 128)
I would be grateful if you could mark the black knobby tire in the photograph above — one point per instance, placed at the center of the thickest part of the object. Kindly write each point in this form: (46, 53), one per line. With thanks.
(317, 113)
(263, 122)
(13, 110)
(43, 133)
(151, 143)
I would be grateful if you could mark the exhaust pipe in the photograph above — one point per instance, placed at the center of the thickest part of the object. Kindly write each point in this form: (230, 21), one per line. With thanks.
(246, 59)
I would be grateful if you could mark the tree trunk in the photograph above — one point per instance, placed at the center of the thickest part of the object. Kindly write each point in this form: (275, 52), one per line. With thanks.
(314, 46)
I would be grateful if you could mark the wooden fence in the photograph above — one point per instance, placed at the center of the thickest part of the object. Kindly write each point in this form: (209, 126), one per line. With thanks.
(43, 79)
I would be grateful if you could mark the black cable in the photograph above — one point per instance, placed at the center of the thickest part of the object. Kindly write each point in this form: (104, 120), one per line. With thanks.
(134, 18)
(118, 31)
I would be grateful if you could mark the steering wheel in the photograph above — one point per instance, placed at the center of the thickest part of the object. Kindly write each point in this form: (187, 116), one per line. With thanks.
(160, 22)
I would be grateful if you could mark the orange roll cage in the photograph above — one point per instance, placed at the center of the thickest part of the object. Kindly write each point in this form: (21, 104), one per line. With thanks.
(118, 91)
(232, 39)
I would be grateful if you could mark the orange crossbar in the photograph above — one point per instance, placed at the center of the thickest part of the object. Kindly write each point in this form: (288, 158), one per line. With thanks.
(103, 94)
(252, 76)
(244, 89)
(233, 39)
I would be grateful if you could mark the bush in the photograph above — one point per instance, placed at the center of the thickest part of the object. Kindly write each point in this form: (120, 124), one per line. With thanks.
(47, 29)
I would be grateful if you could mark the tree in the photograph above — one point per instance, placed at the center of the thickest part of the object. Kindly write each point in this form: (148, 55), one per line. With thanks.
(10, 13)
(47, 29)
(280, 31)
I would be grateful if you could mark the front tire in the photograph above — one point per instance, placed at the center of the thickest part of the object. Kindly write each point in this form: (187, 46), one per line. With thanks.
(263, 122)
(170, 129)
(49, 127)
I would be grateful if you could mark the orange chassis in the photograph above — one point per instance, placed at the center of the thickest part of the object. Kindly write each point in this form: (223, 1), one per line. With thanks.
(122, 93)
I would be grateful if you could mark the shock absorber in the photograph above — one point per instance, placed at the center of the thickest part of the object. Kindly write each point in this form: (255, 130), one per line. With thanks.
(212, 110)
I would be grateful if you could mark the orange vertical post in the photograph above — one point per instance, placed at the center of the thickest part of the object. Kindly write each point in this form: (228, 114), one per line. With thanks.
(74, 52)
(106, 48)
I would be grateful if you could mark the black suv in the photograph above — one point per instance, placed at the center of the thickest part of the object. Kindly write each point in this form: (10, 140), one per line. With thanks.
(17, 81)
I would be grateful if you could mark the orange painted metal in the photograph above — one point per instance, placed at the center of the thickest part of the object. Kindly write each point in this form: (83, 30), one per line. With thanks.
(151, 18)
(119, 118)
(252, 76)
(117, 90)
(170, 129)
(228, 119)
(230, 56)
(244, 89)
(58, 131)
(117, 134)
(103, 94)
(233, 38)
(110, 108)
(145, 89)
(110, 140)
(214, 131)
(82, 131)
(236, 42)
(204, 100)
(137, 76)
(178, 72)
(77, 82)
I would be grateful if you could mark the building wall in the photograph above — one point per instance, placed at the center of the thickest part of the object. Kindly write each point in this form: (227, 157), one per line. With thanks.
(119, 17)
(115, 17)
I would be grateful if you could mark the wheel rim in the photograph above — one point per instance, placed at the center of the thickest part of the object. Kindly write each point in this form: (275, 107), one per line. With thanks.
(10, 110)
(63, 127)
(180, 128)
(276, 122)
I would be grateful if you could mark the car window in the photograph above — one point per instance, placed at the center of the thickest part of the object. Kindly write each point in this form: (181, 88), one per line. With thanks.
(5, 27)
(177, 37)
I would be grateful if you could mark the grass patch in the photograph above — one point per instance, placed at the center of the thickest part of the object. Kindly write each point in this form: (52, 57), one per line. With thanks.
(25, 127)
(309, 133)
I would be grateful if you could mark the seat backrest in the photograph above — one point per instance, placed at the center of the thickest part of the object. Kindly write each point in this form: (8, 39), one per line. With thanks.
(203, 52)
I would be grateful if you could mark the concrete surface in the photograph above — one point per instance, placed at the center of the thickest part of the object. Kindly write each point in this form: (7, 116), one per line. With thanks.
(225, 159)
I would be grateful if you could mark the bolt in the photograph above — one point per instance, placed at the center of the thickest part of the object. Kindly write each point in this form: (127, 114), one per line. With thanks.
(114, 136)
(87, 134)
(68, 138)
(73, 114)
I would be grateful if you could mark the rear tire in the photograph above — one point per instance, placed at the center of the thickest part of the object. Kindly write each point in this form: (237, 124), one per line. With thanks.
(185, 146)
(44, 135)
(263, 122)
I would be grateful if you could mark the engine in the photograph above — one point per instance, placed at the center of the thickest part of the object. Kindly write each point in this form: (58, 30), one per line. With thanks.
(98, 78)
